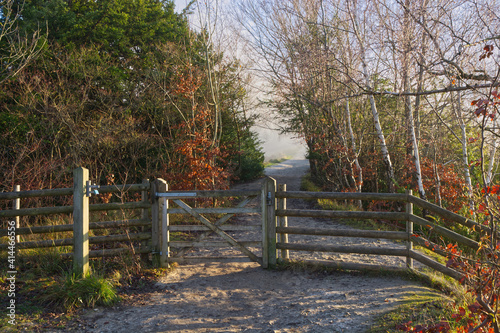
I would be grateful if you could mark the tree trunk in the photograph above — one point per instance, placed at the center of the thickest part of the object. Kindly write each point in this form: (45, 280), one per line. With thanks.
(489, 173)
(465, 155)
(378, 128)
(359, 182)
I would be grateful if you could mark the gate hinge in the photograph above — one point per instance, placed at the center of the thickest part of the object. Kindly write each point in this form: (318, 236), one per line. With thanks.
(269, 199)
(91, 188)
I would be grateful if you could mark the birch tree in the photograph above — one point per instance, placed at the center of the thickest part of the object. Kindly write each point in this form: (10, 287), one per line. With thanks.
(353, 13)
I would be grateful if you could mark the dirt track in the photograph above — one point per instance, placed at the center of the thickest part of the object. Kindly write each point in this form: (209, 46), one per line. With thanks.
(243, 297)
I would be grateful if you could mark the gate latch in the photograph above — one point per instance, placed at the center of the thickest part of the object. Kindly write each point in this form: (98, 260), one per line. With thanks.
(269, 199)
(91, 188)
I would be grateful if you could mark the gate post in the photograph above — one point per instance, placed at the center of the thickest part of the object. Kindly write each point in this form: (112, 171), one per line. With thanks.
(409, 228)
(16, 205)
(145, 216)
(158, 186)
(80, 222)
(283, 222)
(165, 232)
(269, 223)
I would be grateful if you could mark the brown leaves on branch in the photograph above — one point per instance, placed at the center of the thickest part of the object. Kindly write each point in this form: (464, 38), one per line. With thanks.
(488, 52)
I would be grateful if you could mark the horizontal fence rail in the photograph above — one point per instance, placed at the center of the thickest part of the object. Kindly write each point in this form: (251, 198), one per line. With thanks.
(69, 227)
(341, 195)
(69, 209)
(70, 241)
(212, 244)
(36, 193)
(342, 214)
(232, 210)
(398, 235)
(449, 215)
(222, 227)
(69, 191)
(344, 249)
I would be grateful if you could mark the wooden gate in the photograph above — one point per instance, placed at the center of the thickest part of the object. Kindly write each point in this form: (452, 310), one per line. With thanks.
(167, 203)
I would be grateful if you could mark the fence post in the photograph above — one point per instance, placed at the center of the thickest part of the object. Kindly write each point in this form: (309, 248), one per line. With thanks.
(165, 232)
(158, 186)
(145, 215)
(409, 228)
(283, 222)
(80, 222)
(269, 223)
(16, 205)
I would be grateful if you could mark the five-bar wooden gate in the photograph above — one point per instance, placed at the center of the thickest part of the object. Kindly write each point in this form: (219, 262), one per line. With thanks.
(262, 251)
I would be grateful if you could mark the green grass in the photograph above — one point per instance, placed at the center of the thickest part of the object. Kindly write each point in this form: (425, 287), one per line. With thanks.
(275, 161)
(307, 184)
(49, 296)
(424, 308)
(70, 292)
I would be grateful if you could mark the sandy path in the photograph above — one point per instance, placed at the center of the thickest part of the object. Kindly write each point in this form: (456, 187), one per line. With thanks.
(243, 297)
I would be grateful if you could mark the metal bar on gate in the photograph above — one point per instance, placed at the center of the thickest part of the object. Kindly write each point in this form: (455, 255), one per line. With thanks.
(207, 194)
(177, 195)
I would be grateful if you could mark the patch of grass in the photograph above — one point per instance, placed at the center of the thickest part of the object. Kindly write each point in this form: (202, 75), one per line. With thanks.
(69, 293)
(307, 184)
(427, 308)
(275, 161)
(48, 297)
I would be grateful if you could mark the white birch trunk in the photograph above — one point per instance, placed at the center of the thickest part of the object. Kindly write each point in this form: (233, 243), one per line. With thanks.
(489, 173)
(359, 183)
(465, 154)
(378, 128)
(416, 154)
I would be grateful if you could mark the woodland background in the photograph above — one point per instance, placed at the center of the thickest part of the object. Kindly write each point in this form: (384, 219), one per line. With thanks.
(124, 88)
(388, 95)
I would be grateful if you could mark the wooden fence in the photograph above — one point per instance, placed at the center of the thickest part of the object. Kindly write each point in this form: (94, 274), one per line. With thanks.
(155, 237)
(407, 216)
(80, 227)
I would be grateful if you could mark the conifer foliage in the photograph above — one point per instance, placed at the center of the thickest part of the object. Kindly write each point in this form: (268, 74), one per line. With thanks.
(120, 87)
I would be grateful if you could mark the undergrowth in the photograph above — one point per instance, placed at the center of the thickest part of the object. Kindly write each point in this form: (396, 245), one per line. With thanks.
(48, 296)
